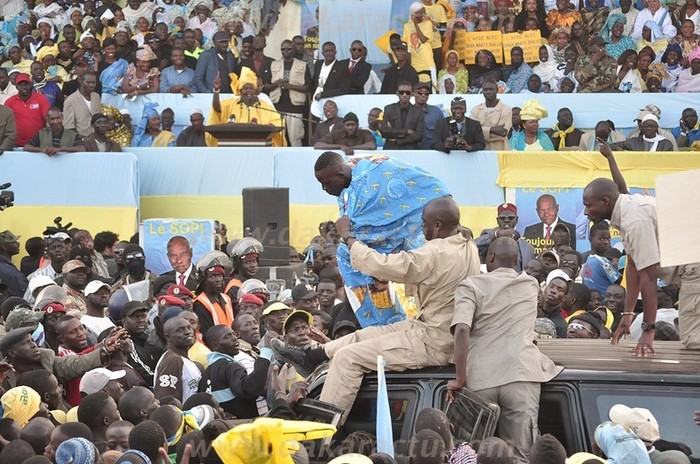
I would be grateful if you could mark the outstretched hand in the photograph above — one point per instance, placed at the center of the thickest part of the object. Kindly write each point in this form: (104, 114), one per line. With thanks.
(452, 387)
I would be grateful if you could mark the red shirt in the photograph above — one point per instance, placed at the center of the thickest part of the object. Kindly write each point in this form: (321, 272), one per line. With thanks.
(30, 116)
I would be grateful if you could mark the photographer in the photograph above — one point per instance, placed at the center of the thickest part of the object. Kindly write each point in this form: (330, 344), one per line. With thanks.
(458, 132)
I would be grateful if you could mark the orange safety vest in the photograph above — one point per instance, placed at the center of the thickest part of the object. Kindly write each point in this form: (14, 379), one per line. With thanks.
(218, 314)
(232, 283)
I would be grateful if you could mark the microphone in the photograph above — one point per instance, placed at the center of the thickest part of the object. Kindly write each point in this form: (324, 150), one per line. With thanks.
(5, 186)
(254, 121)
(232, 118)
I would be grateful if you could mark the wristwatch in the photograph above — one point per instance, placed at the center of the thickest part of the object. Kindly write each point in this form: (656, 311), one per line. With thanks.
(348, 237)
(648, 327)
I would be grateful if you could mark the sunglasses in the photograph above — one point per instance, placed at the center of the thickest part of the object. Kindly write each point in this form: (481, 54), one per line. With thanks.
(577, 326)
(405, 92)
(134, 256)
(356, 49)
(423, 93)
(506, 218)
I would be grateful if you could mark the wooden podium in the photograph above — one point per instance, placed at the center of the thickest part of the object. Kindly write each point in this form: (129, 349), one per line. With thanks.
(233, 134)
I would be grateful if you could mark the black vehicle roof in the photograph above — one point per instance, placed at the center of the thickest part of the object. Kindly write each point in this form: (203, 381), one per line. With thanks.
(599, 360)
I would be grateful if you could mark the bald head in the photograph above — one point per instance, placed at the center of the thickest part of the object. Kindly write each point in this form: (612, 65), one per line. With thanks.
(599, 198)
(503, 252)
(440, 218)
(37, 433)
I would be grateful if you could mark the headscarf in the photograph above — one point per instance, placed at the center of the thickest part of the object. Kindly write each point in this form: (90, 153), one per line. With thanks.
(656, 33)
(694, 55)
(247, 76)
(149, 110)
(122, 26)
(588, 7)
(447, 77)
(450, 52)
(47, 21)
(620, 444)
(145, 53)
(188, 423)
(613, 19)
(193, 4)
(415, 7)
(46, 51)
(20, 404)
(120, 133)
(76, 451)
(471, 3)
(85, 21)
(672, 47)
(548, 69)
(451, 26)
(532, 109)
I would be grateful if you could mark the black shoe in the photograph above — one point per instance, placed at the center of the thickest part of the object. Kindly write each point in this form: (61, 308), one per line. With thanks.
(297, 357)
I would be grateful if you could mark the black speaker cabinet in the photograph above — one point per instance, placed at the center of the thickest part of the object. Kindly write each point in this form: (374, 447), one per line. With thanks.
(266, 218)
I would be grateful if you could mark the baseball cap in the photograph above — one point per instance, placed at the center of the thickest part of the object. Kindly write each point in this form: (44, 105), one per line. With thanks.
(94, 286)
(53, 308)
(561, 226)
(422, 85)
(22, 77)
(132, 307)
(508, 207)
(8, 237)
(298, 314)
(551, 254)
(557, 274)
(62, 236)
(162, 281)
(276, 306)
(23, 317)
(401, 44)
(303, 292)
(13, 337)
(96, 379)
(640, 420)
(40, 281)
(72, 265)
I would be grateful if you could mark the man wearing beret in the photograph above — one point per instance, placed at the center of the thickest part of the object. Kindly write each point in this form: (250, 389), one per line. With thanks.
(348, 139)
(75, 274)
(9, 274)
(98, 140)
(212, 306)
(457, 132)
(507, 219)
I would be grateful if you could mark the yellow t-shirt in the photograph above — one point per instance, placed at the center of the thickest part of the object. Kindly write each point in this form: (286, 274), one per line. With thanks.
(437, 13)
(421, 53)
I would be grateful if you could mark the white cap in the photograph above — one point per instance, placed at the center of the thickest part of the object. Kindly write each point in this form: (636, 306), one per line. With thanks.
(96, 379)
(640, 420)
(86, 35)
(649, 116)
(557, 273)
(94, 286)
(196, 111)
(40, 281)
(124, 111)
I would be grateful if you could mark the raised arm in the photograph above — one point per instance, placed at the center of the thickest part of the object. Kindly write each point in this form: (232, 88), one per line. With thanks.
(606, 151)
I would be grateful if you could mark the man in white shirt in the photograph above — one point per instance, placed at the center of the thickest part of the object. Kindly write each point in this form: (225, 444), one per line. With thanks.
(660, 15)
(96, 300)
(7, 89)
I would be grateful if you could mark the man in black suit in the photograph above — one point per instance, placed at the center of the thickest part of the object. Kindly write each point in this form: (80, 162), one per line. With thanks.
(399, 71)
(260, 63)
(458, 132)
(541, 235)
(403, 123)
(180, 257)
(358, 68)
(330, 76)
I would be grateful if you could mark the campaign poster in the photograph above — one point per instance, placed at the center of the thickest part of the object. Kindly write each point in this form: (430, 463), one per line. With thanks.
(155, 233)
(542, 207)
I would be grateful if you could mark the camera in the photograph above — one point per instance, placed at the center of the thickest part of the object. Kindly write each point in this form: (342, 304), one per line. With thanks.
(455, 136)
(7, 197)
(454, 130)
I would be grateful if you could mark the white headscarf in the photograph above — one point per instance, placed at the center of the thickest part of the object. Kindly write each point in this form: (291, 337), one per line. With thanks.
(548, 69)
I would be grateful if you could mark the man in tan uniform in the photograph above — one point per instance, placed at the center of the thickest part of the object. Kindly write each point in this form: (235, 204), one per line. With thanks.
(498, 309)
(635, 217)
(496, 118)
(434, 269)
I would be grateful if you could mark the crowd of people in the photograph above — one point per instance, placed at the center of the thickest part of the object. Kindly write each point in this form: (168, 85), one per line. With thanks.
(105, 361)
(61, 59)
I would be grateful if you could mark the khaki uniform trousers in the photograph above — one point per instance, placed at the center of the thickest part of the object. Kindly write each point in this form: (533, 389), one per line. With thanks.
(295, 128)
(689, 307)
(356, 354)
(517, 423)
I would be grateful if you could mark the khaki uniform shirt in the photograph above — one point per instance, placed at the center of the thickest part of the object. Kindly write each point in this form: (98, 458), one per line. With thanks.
(635, 217)
(500, 308)
(499, 115)
(435, 269)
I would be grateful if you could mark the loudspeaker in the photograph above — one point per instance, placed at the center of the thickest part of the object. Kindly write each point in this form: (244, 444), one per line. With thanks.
(266, 218)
